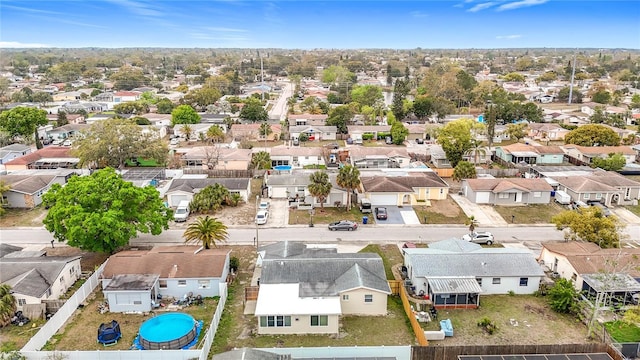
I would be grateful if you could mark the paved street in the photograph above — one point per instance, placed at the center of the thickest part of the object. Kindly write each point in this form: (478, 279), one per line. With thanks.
(279, 109)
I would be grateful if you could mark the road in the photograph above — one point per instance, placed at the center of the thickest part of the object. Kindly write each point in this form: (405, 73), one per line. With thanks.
(368, 234)
(279, 109)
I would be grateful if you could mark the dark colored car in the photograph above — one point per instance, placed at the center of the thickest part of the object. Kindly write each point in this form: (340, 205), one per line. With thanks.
(381, 213)
(343, 225)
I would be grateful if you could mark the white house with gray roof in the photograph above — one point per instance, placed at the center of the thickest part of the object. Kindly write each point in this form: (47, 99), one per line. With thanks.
(295, 186)
(454, 272)
(314, 132)
(305, 291)
(184, 189)
(13, 151)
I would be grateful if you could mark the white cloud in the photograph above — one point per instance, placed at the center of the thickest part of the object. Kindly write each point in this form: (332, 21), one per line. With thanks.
(19, 45)
(224, 29)
(509, 37)
(419, 14)
(138, 7)
(482, 6)
(520, 4)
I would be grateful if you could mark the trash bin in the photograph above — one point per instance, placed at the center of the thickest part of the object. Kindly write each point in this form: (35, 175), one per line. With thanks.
(365, 219)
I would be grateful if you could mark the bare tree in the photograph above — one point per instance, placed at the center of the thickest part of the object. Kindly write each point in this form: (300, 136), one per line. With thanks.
(211, 156)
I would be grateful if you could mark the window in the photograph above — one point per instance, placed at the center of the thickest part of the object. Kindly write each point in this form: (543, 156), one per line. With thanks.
(627, 193)
(61, 279)
(524, 281)
(599, 196)
(275, 321)
(295, 158)
(319, 320)
(586, 196)
(537, 194)
(182, 282)
(204, 284)
(495, 281)
(503, 196)
(368, 298)
(574, 277)
(163, 284)
(479, 281)
(48, 292)
(345, 297)
(21, 302)
(137, 302)
(441, 191)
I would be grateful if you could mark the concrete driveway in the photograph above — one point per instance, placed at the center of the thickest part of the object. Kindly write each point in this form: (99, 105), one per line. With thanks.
(278, 213)
(399, 215)
(484, 214)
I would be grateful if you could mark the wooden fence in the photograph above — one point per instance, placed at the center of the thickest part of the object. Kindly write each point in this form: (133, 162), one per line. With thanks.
(417, 329)
(452, 352)
(251, 293)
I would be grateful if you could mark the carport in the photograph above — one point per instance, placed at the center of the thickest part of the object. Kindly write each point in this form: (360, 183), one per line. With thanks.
(454, 292)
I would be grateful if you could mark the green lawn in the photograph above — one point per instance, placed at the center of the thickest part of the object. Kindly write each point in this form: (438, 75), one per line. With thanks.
(390, 255)
(634, 209)
(530, 214)
(143, 162)
(623, 332)
(326, 216)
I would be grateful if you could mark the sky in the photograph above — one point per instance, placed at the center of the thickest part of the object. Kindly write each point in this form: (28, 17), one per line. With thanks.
(332, 24)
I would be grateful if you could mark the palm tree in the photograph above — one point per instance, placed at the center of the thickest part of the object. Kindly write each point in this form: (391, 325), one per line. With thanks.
(215, 133)
(472, 222)
(187, 130)
(475, 150)
(261, 161)
(320, 186)
(206, 230)
(7, 305)
(349, 179)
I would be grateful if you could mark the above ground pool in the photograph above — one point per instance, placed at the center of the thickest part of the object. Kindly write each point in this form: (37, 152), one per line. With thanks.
(282, 167)
(168, 332)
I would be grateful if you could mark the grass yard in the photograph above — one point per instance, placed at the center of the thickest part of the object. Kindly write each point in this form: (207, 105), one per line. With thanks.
(390, 255)
(530, 214)
(14, 337)
(327, 215)
(23, 217)
(520, 319)
(440, 212)
(623, 332)
(634, 209)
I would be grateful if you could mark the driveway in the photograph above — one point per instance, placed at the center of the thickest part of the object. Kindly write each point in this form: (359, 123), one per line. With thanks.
(625, 215)
(399, 215)
(278, 213)
(484, 214)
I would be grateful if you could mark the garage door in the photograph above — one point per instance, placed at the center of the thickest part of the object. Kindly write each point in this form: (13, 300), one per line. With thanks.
(384, 199)
(482, 197)
(174, 200)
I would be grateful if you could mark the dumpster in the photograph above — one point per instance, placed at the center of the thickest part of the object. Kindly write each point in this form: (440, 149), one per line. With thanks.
(365, 219)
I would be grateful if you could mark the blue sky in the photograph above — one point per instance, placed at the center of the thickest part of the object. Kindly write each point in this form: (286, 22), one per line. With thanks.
(321, 24)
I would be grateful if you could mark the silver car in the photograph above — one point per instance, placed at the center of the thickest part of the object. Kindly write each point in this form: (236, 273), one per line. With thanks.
(261, 217)
(343, 225)
(479, 237)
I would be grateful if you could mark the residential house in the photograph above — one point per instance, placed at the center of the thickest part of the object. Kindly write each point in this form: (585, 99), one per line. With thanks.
(606, 187)
(106, 96)
(195, 130)
(34, 279)
(413, 188)
(592, 269)
(252, 132)
(305, 291)
(307, 119)
(179, 270)
(86, 106)
(511, 191)
(183, 189)
(13, 151)
(124, 96)
(297, 156)
(379, 157)
(50, 157)
(212, 157)
(64, 132)
(546, 131)
(145, 89)
(294, 185)
(362, 131)
(584, 155)
(28, 186)
(72, 95)
(416, 131)
(313, 132)
(438, 157)
(453, 273)
(519, 153)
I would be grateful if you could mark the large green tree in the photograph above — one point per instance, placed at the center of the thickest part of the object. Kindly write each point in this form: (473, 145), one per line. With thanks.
(590, 224)
(320, 186)
(164, 106)
(563, 296)
(210, 199)
(7, 305)
(368, 95)
(348, 179)
(202, 97)
(24, 122)
(592, 135)
(110, 143)
(516, 131)
(464, 170)
(339, 117)
(102, 212)
(613, 162)
(253, 110)
(184, 114)
(128, 78)
(207, 231)
(398, 133)
(456, 139)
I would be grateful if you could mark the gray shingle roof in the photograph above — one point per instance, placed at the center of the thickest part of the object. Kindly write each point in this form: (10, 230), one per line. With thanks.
(27, 184)
(189, 185)
(32, 276)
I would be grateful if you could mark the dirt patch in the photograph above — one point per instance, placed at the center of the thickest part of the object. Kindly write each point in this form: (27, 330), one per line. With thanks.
(89, 262)
(446, 207)
(23, 217)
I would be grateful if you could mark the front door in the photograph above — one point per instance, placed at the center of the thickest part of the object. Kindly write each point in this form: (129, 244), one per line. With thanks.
(519, 197)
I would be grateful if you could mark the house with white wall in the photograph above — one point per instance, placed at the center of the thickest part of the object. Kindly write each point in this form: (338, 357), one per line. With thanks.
(183, 189)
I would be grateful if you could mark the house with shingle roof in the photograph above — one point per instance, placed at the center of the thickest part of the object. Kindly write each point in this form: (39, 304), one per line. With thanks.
(314, 132)
(453, 273)
(306, 292)
(27, 187)
(379, 157)
(522, 153)
(586, 154)
(607, 187)
(546, 131)
(166, 270)
(13, 151)
(294, 185)
(33, 279)
(184, 189)
(307, 119)
(296, 156)
(415, 188)
(509, 191)
(50, 157)
(589, 267)
(373, 130)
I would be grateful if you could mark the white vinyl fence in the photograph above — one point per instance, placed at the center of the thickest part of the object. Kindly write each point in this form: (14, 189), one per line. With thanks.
(30, 350)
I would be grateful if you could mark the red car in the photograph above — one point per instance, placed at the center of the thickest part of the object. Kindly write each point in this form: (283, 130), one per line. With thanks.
(381, 213)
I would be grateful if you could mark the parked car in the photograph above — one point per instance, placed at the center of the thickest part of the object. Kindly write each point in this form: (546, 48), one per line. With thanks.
(419, 141)
(479, 237)
(365, 206)
(263, 205)
(261, 217)
(343, 225)
(388, 140)
(381, 213)
(605, 210)
(174, 141)
(296, 142)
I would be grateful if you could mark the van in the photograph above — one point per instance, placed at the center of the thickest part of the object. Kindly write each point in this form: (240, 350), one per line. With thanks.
(365, 206)
(182, 212)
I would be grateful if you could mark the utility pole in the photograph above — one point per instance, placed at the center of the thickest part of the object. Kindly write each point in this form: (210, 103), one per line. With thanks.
(573, 74)
(261, 76)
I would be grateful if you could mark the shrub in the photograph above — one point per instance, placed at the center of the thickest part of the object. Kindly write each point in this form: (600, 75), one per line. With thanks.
(487, 325)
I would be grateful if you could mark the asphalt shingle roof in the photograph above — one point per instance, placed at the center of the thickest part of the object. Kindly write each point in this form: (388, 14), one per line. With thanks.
(32, 276)
(189, 185)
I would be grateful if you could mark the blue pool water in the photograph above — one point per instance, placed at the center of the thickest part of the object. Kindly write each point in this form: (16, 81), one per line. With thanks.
(168, 331)
(282, 167)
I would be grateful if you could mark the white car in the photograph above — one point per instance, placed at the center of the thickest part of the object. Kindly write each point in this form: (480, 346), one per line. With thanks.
(479, 237)
(261, 217)
(264, 205)
(174, 141)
